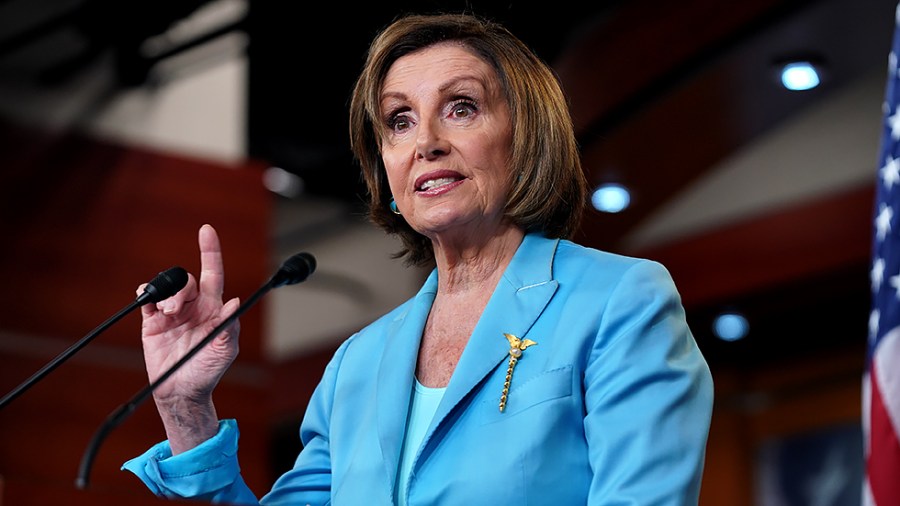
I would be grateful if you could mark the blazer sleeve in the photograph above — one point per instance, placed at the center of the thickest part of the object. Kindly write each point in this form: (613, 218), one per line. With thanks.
(648, 396)
(208, 472)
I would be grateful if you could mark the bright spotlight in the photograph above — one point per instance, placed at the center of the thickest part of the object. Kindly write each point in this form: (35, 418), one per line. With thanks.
(799, 76)
(610, 198)
(731, 327)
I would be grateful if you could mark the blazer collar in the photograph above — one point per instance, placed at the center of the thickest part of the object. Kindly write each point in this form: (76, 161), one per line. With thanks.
(521, 295)
(396, 374)
(527, 285)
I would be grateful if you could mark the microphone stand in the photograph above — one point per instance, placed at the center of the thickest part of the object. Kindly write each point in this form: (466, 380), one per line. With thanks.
(62, 357)
(164, 285)
(294, 270)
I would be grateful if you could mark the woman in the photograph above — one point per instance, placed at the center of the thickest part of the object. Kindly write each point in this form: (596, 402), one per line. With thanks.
(527, 370)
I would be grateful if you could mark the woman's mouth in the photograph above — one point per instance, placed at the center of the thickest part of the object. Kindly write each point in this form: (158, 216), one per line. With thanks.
(435, 183)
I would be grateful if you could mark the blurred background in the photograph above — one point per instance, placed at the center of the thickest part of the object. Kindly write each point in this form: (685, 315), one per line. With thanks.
(124, 126)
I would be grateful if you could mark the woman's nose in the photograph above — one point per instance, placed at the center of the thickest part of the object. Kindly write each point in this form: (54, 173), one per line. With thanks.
(430, 140)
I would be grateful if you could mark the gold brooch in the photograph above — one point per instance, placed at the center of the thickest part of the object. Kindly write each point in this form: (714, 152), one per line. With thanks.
(516, 347)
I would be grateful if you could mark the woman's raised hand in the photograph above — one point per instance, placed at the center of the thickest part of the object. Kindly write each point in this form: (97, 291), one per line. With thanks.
(171, 328)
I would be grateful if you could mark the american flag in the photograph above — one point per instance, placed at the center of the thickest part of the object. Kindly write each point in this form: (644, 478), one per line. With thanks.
(881, 384)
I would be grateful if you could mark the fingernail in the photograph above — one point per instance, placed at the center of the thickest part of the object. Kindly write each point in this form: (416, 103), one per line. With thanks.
(168, 306)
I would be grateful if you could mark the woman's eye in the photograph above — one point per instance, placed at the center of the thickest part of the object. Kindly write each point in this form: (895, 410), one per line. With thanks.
(398, 123)
(463, 110)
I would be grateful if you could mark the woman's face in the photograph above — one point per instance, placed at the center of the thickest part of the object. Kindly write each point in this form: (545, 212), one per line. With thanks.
(447, 138)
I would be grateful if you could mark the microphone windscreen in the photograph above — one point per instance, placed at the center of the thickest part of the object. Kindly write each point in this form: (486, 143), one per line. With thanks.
(166, 284)
(295, 269)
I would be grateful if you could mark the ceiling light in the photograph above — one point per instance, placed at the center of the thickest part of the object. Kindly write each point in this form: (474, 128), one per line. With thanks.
(282, 182)
(731, 326)
(610, 198)
(799, 76)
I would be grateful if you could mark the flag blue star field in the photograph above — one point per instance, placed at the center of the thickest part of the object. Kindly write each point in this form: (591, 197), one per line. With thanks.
(881, 383)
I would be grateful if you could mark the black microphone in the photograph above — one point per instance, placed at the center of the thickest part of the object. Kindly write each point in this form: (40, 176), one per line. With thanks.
(163, 286)
(294, 270)
(166, 284)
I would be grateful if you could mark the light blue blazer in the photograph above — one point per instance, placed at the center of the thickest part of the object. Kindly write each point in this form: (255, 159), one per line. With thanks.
(612, 406)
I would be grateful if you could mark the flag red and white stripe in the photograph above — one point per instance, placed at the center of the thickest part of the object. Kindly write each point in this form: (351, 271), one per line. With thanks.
(883, 455)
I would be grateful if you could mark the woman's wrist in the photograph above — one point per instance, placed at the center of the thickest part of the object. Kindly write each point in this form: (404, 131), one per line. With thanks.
(187, 422)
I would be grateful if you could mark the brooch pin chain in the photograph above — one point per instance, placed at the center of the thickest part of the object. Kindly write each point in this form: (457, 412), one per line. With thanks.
(516, 347)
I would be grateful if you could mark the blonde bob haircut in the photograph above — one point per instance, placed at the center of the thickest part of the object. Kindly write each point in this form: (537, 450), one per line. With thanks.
(548, 190)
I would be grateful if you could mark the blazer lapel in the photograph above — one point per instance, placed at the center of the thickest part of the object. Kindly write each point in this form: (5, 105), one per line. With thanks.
(520, 297)
(396, 374)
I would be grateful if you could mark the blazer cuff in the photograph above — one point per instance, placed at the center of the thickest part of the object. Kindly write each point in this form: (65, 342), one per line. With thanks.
(198, 472)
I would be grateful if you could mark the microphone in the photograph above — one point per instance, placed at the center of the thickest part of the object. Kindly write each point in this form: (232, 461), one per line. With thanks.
(166, 284)
(163, 286)
(294, 270)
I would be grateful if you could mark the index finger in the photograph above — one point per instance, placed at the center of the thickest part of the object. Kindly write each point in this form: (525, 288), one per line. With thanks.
(212, 268)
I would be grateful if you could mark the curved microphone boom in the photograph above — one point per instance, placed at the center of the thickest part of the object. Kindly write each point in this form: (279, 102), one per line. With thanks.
(166, 284)
(294, 270)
